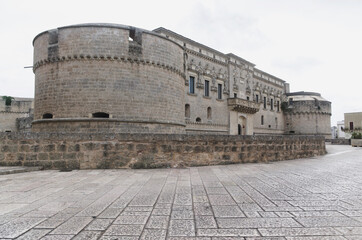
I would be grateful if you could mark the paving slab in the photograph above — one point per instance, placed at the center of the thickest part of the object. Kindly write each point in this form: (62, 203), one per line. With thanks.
(303, 199)
(18, 226)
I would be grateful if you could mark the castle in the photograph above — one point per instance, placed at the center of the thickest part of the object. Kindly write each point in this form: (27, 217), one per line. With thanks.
(115, 78)
(114, 96)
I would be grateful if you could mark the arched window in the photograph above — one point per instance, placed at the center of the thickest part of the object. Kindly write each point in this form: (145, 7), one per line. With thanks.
(198, 120)
(47, 115)
(100, 115)
(209, 113)
(262, 120)
(187, 110)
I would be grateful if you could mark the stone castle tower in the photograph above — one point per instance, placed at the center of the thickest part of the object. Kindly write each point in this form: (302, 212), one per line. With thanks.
(107, 78)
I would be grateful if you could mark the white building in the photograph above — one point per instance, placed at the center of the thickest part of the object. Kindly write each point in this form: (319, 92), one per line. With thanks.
(340, 126)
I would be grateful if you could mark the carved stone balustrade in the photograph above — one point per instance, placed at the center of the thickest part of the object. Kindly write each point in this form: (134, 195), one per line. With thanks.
(243, 106)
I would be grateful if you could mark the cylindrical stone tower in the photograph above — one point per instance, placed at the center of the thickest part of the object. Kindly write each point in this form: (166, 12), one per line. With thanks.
(307, 113)
(107, 78)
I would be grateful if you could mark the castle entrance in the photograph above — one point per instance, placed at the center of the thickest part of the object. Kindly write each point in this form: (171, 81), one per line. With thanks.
(241, 116)
(242, 125)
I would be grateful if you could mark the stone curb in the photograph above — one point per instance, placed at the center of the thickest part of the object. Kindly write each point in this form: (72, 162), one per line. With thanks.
(13, 170)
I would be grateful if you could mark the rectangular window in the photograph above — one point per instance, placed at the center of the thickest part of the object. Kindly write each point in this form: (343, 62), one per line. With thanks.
(219, 91)
(206, 88)
(264, 102)
(257, 98)
(235, 95)
(351, 126)
(192, 85)
(278, 107)
(271, 104)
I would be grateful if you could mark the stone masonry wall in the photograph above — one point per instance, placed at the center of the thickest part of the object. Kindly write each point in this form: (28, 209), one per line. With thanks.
(87, 69)
(19, 108)
(91, 151)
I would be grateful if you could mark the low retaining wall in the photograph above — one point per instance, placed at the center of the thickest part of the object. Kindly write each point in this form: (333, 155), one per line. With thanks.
(90, 151)
(356, 142)
(340, 141)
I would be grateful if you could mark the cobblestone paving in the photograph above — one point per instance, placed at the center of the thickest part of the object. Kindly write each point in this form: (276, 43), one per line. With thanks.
(318, 198)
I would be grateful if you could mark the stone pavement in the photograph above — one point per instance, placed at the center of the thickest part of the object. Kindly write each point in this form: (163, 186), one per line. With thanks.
(318, 198)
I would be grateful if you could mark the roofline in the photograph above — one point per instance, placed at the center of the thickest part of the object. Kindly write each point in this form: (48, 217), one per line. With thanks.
(353, 113)
(189, 40)
(269, 75)
(107, 25)
(239, 58)
(301, 93)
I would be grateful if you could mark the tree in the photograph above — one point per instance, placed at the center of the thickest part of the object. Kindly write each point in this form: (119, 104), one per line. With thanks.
(7, 100)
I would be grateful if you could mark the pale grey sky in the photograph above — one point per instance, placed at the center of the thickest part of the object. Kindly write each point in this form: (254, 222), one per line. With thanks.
(315, 45)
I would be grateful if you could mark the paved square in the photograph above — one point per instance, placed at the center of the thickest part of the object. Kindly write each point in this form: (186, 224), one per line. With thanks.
(317, 198)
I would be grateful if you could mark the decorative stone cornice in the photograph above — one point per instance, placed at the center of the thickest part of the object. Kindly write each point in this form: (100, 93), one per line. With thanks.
(12, 112)
(306, 113)
(200, 55)
(205, 124)
(53, 120)
(123, 59)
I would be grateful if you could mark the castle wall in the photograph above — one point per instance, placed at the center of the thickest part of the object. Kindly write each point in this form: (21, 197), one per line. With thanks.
(308, 117)
(90, 151)
(140, 81)
(239, 78)
(199, 103)
(202, 66)
(19, 108)
(86, 69)
(273, 122)
(8, 120)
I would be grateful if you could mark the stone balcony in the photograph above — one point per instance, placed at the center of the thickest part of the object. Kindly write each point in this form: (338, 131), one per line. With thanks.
(243, 106)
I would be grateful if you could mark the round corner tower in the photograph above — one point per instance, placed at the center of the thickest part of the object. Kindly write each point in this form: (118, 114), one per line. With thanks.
(107, 78)
(307, 113)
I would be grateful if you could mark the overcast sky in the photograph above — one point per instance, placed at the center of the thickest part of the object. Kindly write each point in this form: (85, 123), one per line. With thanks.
(315, 45)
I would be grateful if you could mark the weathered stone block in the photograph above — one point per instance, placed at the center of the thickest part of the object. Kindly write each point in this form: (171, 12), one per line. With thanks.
(60, 164)
(43, 156)
(188, 148)
(31, 157)
(35, 148)
(218, 149)
(49, 148)
(73, 164)
(69, 156)
(9, 148)
(61, 148)
(24, 148)
(198, 149)
(74, 148)
(55, 156)
(20, 157)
